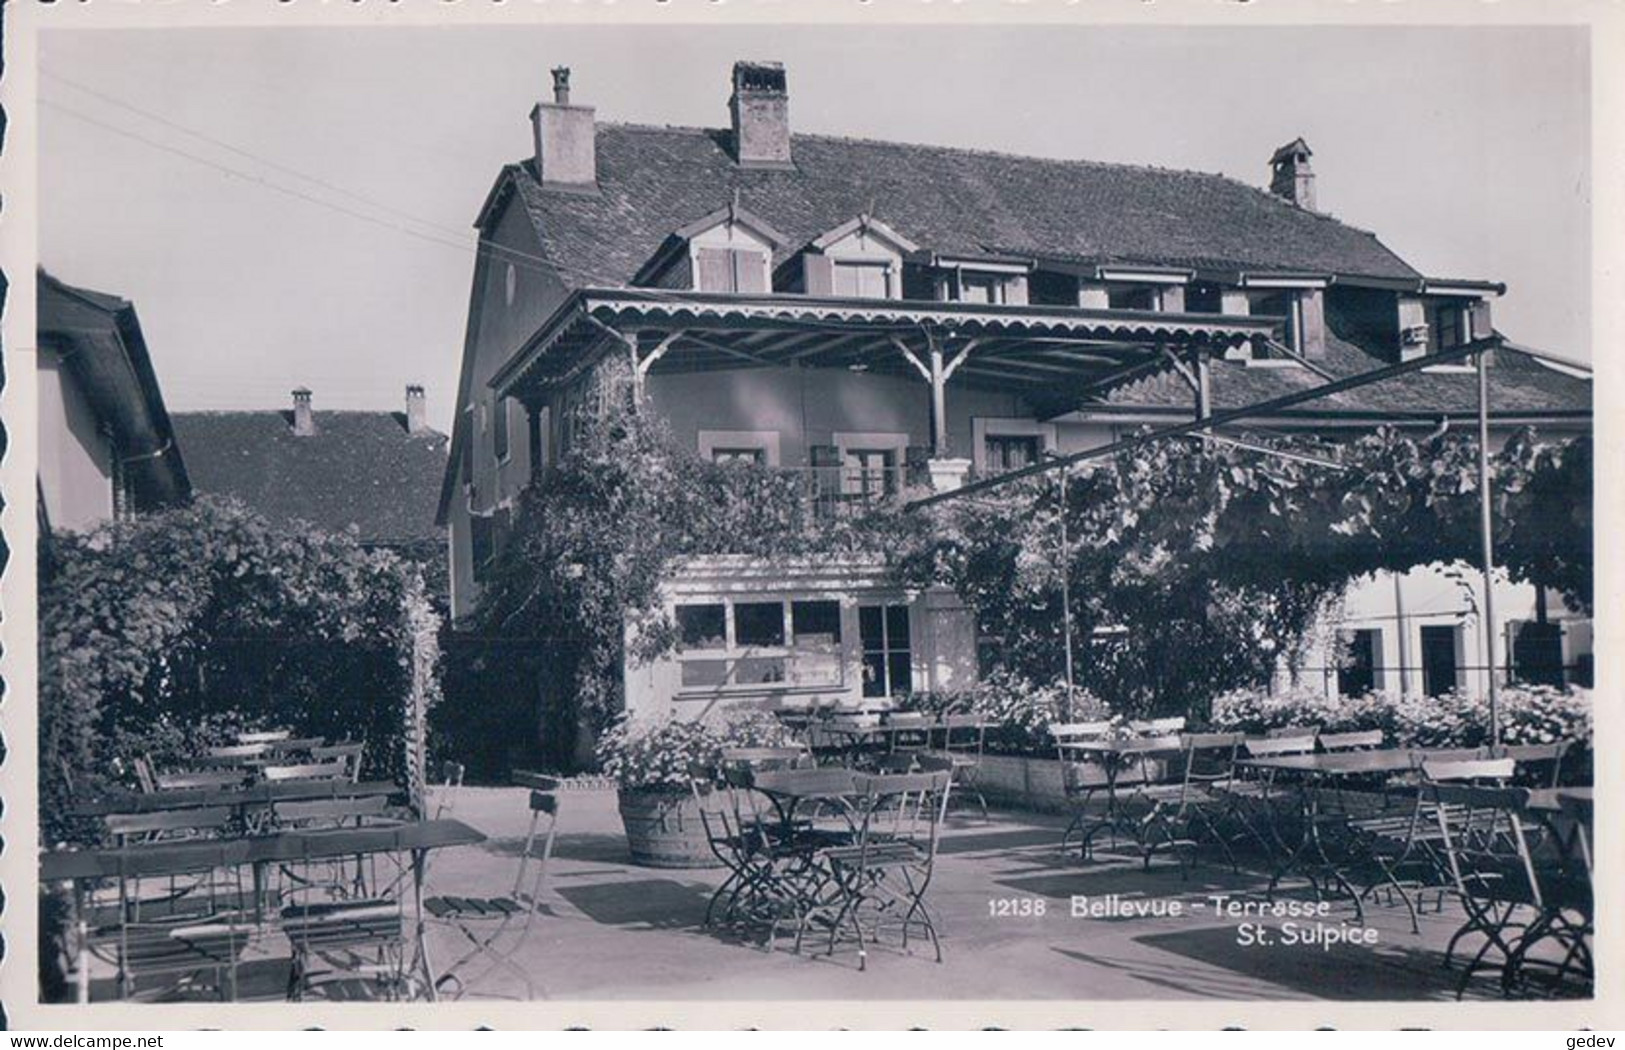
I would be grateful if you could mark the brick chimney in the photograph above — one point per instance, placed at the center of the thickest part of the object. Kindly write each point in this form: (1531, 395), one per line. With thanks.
(761, 115)
(304, 421)
(416, 410)
(1291, 178)
(566, 145)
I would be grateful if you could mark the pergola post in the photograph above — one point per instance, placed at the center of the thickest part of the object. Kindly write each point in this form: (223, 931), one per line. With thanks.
(1486, 523)
(939, 400)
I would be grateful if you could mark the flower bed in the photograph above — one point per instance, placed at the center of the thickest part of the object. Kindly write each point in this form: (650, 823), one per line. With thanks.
(1529, 714)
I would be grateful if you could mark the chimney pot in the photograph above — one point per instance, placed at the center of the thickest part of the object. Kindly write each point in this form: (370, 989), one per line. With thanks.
(416, 410)
(304, 421)
(566, 138)
(760, 108)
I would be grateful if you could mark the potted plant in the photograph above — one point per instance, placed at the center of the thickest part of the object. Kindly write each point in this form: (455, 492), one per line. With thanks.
(653, 764)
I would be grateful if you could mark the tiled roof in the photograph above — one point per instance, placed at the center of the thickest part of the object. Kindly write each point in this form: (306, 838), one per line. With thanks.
(1519, 384)
(652, 181)
(359, 469)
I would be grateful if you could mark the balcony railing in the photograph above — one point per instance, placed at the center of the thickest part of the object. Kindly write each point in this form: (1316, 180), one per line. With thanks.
(846, 491)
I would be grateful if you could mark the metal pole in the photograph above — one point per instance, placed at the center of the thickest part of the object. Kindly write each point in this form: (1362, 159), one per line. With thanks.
(1066, 595)
(1487, 624)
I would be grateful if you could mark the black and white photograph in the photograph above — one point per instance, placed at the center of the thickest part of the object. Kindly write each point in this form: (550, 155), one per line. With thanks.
(508, 511)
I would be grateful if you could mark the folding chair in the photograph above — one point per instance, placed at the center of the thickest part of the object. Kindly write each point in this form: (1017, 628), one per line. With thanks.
(883, 876)
(1192, 807)
(910, 731)
(1364, 740)
(224, 778)
(190, 928)
(1077, 792)
(1537, 765)
(963, 738)
(349, 754)
(346, 947)
(336, 770)
(451, 779)
(269, 736)
(1491, 872)
(485, 921)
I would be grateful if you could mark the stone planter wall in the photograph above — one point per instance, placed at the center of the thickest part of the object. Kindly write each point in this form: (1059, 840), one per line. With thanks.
(1032, 783)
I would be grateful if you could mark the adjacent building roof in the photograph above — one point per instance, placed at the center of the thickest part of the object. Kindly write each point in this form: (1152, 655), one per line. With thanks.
(359, 469)
(652, 181)
(1520, 386)
(102, 347)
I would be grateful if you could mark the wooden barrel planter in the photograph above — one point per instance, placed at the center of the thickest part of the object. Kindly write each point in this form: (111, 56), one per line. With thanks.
(663, 830)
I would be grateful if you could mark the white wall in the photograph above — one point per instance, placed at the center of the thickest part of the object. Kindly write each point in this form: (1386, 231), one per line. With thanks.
(75, 458)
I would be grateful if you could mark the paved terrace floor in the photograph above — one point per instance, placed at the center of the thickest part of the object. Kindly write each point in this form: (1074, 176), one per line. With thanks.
(617, 930)
(611, 929)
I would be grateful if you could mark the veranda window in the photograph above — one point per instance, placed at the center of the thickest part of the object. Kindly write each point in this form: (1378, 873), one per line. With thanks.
(888, 664)
(745, 644)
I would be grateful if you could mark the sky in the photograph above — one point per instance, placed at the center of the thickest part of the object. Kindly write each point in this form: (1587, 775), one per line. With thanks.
(293, 207)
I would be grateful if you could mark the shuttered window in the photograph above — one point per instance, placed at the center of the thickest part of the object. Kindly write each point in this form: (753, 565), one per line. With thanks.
(862, 280)
(731, 270)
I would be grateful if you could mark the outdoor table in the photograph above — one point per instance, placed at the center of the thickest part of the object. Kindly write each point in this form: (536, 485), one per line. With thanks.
(1311, 849)
(857, 738)
(1115, 756)
(1550, 800)
(787, 789)
(154, 859)
(249, 796)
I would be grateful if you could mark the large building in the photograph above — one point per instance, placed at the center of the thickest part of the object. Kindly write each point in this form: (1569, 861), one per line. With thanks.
(106, 446)
(873, 312)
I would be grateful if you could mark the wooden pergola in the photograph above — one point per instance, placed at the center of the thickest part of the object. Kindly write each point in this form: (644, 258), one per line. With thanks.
(1047, 354)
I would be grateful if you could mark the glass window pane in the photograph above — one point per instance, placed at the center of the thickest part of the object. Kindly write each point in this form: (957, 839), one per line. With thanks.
(869, 620)
(759, 670)
(815, 667)
(705, 673)
(897, 626)
(874, 674)
(898, 664)
(758, 623)
(702, 626)
(816, 623)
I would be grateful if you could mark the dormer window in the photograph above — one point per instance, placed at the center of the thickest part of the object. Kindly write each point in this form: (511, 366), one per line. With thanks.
(860, 259)
(729, 250)
(990, 281)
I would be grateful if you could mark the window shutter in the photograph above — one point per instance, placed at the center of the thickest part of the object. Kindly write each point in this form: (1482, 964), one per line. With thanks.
(1478, 320)
(716, 270)
(820, 274)
(749, 272)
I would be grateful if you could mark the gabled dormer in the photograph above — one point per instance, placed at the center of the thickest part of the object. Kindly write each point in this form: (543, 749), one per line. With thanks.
(861, 258)
(728, 250)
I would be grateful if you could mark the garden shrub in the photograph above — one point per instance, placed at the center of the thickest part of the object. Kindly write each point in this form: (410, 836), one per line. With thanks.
(165, 633)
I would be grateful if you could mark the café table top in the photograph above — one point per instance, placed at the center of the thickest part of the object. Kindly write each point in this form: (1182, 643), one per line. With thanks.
(261, 794)
(193, 855)
(1550, 799)
(825, 782)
